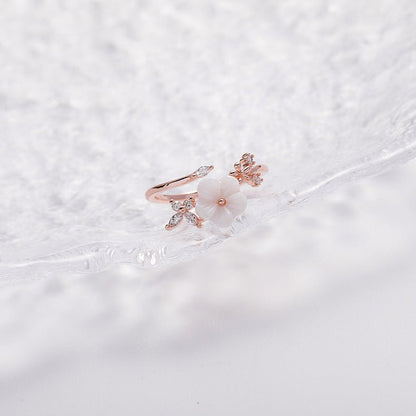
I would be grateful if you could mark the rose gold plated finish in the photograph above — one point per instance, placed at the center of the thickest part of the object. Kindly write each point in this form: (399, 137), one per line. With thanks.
(221, 202)
(246, 170)
(183, 210)
(157, 193)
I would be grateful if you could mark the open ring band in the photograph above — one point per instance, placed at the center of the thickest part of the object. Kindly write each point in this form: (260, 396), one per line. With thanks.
(219, 201)
(156, 193)
(245, 171)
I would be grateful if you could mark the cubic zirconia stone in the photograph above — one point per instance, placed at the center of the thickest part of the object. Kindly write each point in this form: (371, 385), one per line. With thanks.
(187, 204)
(257, 180)
(202, 171)
(248, 158)
(191, 218)
(176, 219)
(176, 205)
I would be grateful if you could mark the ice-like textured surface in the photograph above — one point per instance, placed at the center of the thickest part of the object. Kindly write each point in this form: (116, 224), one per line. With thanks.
(101, 100)
(314, 310)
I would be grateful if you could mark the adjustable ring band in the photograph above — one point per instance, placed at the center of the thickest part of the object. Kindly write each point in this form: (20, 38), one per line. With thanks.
(245, 171)
(219, 201)
(156, 193)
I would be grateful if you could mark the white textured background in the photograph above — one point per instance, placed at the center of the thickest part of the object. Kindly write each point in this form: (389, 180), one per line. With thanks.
(311, 311)
(101, 100)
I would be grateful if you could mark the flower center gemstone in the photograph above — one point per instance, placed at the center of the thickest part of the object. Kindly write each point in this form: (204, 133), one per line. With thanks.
(221, 202)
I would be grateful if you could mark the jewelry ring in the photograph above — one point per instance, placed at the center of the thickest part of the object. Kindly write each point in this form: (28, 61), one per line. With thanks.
(246, 170)
(219, 201)
(155, 194)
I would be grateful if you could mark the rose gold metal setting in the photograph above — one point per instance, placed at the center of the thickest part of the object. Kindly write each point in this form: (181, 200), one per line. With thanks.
(156, 193)
(183, 211)
(221, 202)
(246, 170)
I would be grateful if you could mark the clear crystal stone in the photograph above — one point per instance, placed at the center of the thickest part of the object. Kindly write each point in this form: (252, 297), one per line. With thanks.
(257, 180)
(202, 171)
(176, 219)
(248, 158)
(176, 206)
(191, 218)
(187, 204)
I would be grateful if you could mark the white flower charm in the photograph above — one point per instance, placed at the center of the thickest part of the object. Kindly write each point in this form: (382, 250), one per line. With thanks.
(220, 201)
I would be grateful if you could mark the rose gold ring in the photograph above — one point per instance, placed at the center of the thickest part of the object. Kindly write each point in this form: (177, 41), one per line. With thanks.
(156, 193)
(246, 170)
(219, 201)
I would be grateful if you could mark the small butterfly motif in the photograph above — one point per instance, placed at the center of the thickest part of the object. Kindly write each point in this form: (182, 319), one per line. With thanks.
(182, 209)
(246, 170)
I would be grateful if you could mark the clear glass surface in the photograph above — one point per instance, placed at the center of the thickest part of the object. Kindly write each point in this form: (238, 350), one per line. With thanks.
(99, 103)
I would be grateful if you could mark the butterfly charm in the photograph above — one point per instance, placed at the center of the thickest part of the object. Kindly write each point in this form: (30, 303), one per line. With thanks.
(182, 210)
(247, 171)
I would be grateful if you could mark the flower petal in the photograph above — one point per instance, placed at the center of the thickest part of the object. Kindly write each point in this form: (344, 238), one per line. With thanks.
(237, 203)
(222, 217)
(229, 186)
(209, 189)
(205, 208)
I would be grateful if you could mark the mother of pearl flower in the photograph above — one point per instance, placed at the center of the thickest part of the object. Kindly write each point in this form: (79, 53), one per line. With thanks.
(220, 201)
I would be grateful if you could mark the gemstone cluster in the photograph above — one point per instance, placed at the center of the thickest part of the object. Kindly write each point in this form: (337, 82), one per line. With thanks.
(183, 210)
(247, 171)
